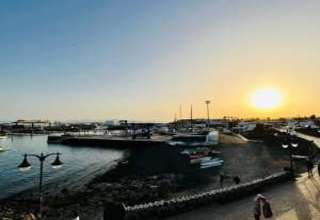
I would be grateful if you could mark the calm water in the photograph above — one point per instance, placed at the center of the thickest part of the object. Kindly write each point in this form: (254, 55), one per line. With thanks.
(79, 163)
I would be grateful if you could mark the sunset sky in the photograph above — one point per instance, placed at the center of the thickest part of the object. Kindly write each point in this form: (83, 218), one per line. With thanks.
(79, 59)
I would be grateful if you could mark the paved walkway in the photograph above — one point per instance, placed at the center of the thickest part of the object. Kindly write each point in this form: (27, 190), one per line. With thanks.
(298, 200)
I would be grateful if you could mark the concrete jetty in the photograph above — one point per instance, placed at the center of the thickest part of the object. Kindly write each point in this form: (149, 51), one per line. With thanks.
(116, 142)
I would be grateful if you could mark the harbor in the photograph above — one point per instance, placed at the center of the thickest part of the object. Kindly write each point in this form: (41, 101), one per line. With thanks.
(187, 162)
(140, 110)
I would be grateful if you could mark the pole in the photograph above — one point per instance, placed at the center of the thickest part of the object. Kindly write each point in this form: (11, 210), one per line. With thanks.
(42, 158)
(289, 140)
(208, 113)
(291, 162)
(191, 117)
(175, 121)
(180, 117)
(310, 151)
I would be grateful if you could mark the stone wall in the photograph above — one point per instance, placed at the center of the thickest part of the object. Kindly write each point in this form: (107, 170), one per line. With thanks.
(175, 206)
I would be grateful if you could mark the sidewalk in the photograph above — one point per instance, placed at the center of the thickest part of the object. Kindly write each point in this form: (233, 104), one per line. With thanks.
(298, 200)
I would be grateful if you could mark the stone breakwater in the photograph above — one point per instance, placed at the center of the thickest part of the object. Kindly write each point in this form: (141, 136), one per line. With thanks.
(163, 208)
(115, 142)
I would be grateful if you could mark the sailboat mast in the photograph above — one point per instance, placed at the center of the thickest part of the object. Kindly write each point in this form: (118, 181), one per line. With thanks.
(191, 116)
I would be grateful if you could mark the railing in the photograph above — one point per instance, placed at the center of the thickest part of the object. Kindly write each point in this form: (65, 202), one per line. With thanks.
(178, 205)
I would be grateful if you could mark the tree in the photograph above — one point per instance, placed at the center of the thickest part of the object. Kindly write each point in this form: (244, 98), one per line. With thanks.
(313, 117)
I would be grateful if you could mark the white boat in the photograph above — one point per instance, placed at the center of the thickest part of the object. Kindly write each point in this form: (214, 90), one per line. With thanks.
(200, 160)
(214, 162)
(211, 161)
(207, 162)
(208, 138)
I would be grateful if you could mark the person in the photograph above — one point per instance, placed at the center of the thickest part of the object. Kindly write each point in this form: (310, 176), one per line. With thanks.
(309, 168)
(266, 208)
(221, 180)
(257, 208)
(29, 216)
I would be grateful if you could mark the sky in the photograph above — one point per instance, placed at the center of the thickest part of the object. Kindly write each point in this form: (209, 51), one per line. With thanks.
(141, 60)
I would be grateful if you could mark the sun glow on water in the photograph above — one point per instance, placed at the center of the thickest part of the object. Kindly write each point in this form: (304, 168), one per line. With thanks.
(267, 98)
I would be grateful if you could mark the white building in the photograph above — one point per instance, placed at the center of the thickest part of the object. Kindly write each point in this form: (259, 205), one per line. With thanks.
(302, 124)
(111, 123)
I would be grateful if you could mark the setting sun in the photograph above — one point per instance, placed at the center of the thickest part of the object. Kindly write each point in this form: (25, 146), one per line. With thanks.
(267, 98)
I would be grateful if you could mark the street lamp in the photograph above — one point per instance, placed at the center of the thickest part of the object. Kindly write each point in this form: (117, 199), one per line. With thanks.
(208, 114)
(25, 166)
(290, 145)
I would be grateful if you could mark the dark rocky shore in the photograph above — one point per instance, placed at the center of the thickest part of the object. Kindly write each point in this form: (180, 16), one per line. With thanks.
(62, 204)
(124, 184)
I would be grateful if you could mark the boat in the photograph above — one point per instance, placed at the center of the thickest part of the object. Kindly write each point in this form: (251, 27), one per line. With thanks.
(192, 140)
(199, 160)
(213, 162)
(203, 159)
(200, 152)
(207, 162)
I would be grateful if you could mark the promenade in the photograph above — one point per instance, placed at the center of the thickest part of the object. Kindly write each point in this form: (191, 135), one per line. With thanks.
(298, 200)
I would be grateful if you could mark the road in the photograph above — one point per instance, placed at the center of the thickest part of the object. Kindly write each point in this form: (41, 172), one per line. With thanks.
(315, 140)
(298, 200)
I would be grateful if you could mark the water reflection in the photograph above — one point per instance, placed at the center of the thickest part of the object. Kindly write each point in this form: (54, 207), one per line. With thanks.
(79, 162)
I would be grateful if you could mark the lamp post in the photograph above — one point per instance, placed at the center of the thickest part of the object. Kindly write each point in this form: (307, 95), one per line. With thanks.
(290, 145)
(208, 113)
(25, 166)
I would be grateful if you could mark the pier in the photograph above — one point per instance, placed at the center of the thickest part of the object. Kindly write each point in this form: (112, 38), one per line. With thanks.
(147, 156)
(116, 142)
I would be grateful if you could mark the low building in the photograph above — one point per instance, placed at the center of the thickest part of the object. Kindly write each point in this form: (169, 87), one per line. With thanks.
(302, 124)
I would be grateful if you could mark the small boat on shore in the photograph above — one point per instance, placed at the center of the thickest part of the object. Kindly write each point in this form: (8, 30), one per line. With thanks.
(204, 158)
(207, 162)
(199, 160)
(210, 163)
(200, 152)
